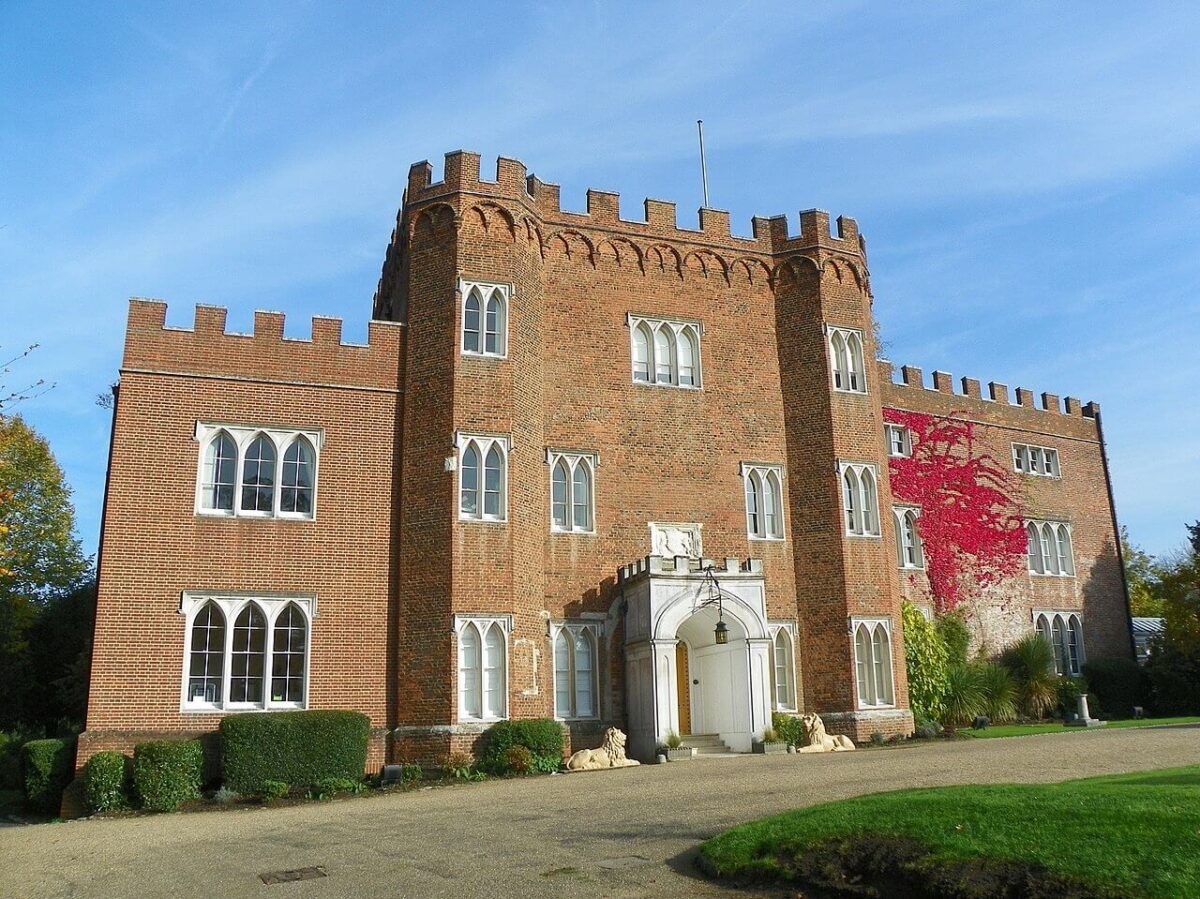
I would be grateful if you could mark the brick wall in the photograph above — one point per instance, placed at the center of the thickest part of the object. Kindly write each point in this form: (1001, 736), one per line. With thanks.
(155, 547)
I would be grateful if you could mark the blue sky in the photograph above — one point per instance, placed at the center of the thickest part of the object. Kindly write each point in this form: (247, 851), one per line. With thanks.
(1026, 175)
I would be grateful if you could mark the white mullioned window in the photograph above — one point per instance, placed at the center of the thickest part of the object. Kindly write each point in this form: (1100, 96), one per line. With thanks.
(576, 688)
(860, 498)
(899, 440)
(783, 666)
(665, 352)
(847, 360)
(572, 491)
(1063, 630)
(909, 550)
(1049, 548)
(482, 666)
(245, 652)
(257, 472)
(873, 661)
(764, 500)
(1041, 461)
(482, 477)
(484, 318)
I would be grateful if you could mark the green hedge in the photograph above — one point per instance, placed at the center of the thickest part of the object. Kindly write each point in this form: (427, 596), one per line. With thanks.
(543, 737)
(293, 747)
(10, 761)
(47, 767)
(106, 782)
(1120, 684)
(167, 772)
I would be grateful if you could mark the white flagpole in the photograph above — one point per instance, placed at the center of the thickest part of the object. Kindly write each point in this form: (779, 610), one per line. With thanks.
(703, 167)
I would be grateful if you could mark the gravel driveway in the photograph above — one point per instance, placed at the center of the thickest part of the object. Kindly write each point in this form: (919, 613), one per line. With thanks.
(612, 833)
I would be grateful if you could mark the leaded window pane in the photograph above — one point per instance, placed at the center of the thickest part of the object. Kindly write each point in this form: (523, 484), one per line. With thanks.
(248, 656)
(258, 476)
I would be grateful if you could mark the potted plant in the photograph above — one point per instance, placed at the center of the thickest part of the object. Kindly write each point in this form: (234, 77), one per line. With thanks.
(771, 743)
(675, 750)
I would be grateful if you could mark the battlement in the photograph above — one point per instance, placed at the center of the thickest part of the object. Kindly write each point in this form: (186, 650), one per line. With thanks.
(208, 349)
(770, 235)
(686, 565)
(971, 389)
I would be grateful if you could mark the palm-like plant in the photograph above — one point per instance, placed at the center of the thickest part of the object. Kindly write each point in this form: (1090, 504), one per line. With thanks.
(999, 692)
(964, 694)
(1031, 661)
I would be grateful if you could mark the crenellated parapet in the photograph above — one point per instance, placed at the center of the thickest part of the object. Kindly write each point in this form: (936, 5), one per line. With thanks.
(518, 206)
(208, 349)
(971, 391)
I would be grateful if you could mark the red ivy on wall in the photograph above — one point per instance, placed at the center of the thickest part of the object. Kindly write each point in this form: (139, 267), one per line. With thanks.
(969, 524)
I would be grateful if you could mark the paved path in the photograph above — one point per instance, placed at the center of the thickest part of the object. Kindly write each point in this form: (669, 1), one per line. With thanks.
(606, 834)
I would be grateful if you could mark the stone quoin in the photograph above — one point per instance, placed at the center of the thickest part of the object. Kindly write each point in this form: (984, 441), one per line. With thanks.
(572, 445)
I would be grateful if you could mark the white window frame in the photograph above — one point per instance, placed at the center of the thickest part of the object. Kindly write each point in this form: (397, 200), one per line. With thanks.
(483, 444)
(872, 664)
(1071, 621)
(1044, 557)
(1025, 454)
(573, 459)
(676, 330)
(900, 513)
(591, 630)
(855, 521)
(898, 435)
(482, 624)
(764, 471)
(788, 630)
(848, 371)
(486, 289)
(206, 432)
(232, 605)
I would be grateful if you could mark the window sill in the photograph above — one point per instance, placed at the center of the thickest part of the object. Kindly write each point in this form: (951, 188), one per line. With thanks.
(494, 521)
(668, 386)
(569, 532)
(495, 357)
(758, 539)
(864, 707)
(242, 709)
(1061, 577)
(863, 536)
(910, 567)
(255, 516)
(468, 719)
(850, 391)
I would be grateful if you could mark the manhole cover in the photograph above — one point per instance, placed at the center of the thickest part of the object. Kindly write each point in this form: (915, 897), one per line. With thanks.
(288, 876)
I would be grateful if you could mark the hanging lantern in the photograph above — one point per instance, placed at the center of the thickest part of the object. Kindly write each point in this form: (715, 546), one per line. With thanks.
(721, 632)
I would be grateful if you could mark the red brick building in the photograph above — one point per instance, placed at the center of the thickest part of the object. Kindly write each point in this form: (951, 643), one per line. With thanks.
(567, 436)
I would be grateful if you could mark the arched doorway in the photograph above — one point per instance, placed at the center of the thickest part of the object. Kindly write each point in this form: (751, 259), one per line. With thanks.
(718, 675)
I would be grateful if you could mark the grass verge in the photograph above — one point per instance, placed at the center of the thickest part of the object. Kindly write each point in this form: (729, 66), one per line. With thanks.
(1134, 835)
(1024, 730)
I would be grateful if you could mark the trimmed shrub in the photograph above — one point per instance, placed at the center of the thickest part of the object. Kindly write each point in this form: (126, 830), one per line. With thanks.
(543, 737)
(411, 773)
(1175, 679)
(328, 787)
(926, 661)
(1120, 684)
(46, 768)
(295, 747)
(106, 782)
(10, 759)
(167, 772)
(789, 727)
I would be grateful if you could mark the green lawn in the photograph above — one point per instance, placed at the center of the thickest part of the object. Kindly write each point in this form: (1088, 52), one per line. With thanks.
(1024, 730)
(1129, 835)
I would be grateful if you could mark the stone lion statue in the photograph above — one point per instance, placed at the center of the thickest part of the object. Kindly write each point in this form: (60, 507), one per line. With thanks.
(611, 754)
(819, 741)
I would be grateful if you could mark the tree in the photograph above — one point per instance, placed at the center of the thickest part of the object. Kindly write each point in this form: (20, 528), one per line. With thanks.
(1193, 530)
(1144, 576)
(39, 555)
(969, 524)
